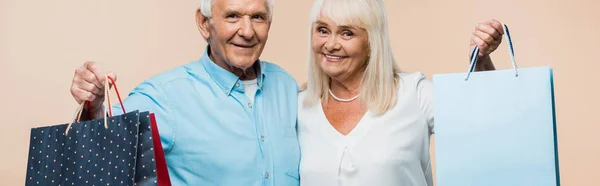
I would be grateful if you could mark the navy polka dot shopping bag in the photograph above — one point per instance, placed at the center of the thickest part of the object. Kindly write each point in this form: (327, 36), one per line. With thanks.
(115, 150)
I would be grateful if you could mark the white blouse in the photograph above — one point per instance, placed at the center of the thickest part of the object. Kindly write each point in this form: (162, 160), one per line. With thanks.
(391, 149)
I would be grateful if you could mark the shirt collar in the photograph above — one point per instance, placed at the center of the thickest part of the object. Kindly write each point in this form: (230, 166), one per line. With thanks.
(226, 80)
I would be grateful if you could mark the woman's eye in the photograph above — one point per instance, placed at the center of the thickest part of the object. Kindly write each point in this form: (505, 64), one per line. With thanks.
(322, 31)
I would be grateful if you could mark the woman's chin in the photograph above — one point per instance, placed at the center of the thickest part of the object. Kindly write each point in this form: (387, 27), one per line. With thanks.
(333, 72)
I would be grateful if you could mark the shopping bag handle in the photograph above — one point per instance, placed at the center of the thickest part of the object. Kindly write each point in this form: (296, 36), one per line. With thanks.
(511, 52)
(118, 96)
(106, 97)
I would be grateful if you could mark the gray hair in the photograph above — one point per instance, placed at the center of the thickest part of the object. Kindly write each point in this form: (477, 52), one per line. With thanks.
(206, 7)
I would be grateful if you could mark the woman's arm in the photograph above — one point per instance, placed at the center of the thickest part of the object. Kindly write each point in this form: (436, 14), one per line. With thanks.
(487, 36)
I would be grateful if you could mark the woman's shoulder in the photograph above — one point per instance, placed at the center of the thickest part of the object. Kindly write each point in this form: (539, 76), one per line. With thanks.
(412, 75)
(412, 79)
(302, 100)
(302, 90)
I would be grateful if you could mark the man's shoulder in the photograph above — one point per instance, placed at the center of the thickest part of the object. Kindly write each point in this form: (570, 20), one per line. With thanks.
(162, 80)
(178, 73)
(272, 69)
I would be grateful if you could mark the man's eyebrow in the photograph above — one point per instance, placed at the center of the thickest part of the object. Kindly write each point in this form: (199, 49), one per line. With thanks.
(235, 12)
(229, 12)
(263, 13)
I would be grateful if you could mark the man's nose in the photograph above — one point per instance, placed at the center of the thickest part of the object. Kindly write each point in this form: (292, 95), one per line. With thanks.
(246, 29)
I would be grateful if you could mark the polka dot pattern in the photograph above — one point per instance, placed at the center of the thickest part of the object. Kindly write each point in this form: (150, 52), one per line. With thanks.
(89, 154)
(146, 163)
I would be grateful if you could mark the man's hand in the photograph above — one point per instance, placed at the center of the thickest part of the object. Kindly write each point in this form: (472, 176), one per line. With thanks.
(88, 85)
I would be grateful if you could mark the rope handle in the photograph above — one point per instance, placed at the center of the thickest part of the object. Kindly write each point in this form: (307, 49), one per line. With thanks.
(106, 97)
(511, 52)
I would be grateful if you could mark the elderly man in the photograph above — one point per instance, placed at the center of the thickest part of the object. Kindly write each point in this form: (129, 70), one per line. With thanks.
(227, 118)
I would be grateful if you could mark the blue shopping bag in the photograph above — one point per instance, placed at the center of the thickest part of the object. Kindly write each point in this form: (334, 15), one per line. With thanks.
(496, 128)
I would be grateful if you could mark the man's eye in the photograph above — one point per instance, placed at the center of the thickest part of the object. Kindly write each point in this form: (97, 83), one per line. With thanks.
(231, 16)
(258, 17)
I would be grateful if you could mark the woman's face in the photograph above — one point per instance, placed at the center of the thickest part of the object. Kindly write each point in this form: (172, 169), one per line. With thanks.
(340, 50)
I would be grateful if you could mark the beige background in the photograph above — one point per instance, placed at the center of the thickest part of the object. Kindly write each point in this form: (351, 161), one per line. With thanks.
(42, 42)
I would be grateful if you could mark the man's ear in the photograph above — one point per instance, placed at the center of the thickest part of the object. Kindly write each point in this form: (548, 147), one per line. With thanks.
(203, 24)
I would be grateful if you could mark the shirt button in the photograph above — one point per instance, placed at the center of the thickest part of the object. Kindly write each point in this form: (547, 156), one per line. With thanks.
(237, 84)
(249, 105)
(266, 175)
(262, 138)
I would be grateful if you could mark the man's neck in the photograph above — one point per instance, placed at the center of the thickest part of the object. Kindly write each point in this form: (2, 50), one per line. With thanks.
(247, 74)
(243, 74)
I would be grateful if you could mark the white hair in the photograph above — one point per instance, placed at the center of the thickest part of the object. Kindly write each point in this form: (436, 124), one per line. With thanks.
(380, 81)
(206, 8)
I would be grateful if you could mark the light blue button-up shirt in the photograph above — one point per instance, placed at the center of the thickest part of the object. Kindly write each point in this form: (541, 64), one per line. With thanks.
(211, 132)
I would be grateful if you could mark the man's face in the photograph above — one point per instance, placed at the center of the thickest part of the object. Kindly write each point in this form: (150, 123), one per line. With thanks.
(238, 31)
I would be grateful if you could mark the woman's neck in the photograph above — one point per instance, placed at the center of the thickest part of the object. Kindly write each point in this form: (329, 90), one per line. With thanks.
(347, 87)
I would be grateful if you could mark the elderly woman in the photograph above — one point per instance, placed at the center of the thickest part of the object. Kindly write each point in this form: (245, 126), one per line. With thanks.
(360, 120)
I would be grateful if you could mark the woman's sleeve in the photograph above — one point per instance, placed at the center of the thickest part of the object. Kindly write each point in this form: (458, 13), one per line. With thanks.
(425, 97)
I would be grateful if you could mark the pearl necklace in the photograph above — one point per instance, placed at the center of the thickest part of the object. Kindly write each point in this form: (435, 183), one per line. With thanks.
(340, 99)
